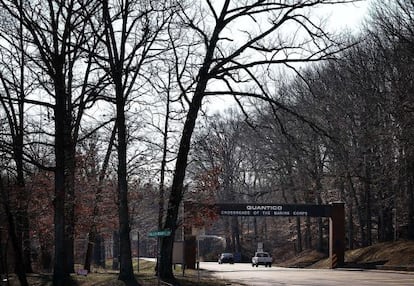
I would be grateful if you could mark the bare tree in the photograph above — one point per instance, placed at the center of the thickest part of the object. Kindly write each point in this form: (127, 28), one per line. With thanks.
(221, 148)
(390, 29)
(128, 49)
(15, 87)
(361, 100)
(221, 48)
(58, 32)
(92, 234)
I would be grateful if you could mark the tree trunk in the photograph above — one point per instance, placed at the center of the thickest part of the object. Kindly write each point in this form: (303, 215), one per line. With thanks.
(176, 194)
(177, 190)
(22, 220)
(18, 151)
(45, 258)
(299, 247)
(19, 262)
(235, 234)
(299, 235)
(350, 225)
(89, 248)
(410, 190)
(115, 251)
(308, 233)
(318, 191)
(70, 200)
(320, 243)
(60, 274)
(256, 234)
(368, 213)
(358, 207)
(161, 199)
(3, 252)
(22, 224)
(126, 272)
(99, 251)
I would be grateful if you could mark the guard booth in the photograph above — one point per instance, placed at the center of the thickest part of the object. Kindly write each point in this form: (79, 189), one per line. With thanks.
(335, 212)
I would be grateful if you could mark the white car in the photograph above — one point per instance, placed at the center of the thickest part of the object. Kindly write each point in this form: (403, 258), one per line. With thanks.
(262, 258)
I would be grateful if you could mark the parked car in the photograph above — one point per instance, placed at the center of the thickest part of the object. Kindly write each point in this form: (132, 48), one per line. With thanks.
(262, 258)
(226, 258)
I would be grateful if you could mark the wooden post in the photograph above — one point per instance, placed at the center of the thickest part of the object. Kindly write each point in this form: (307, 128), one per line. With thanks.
(190, 252)
(337, 235)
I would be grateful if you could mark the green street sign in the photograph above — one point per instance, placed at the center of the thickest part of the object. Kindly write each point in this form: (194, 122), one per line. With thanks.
(157, 233)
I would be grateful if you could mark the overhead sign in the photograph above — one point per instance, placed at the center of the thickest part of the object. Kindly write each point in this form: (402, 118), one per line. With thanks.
(335, 211)
(274, 210)
(157, 233)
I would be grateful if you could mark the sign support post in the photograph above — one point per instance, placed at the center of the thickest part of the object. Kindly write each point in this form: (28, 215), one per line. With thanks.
(337, 235)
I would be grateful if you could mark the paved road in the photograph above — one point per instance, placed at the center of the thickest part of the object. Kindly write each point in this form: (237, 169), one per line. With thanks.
(262, 276)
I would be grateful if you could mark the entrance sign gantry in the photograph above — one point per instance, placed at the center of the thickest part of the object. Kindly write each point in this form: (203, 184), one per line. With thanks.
(334, 211)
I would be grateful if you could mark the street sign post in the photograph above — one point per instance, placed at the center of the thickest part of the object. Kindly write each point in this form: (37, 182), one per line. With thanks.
(158, 234)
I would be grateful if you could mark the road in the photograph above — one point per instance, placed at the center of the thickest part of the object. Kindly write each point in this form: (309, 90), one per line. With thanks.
(262, 276)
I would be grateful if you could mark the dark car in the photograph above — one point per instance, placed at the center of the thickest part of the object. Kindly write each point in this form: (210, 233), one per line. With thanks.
(226, 258)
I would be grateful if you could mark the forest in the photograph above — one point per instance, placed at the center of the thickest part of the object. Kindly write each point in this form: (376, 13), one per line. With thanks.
(114, 113)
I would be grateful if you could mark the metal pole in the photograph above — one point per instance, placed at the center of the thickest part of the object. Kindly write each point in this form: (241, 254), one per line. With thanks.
(182, 228)
(394, 210)
(158, 258)
(138, 251)
(198, 258)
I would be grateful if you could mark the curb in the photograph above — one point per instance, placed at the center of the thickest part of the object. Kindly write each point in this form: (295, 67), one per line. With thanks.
(396, 267)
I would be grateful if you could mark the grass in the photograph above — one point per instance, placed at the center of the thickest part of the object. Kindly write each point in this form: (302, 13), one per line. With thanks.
(146, 277)
(303, 259)
(394, 253)
(399, 253)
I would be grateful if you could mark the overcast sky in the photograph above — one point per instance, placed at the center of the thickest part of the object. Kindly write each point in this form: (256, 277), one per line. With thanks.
(340, 18)
(347, 16)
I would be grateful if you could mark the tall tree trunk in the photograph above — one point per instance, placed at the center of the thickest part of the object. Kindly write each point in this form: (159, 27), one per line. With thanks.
(385, 215)
(23, 227)
(22, 221)
(70, 166)
(256, 233)
(116, 59)
(308, 233)
(60, 273)
(350, 225)
(19, 262)
(299, 247)
(368, 211)
(318, 191)
(99, 251)
(115, 250)
(126, 272)
(176, 194)
(236, 234)
(320, 243)
(358, 207)
(89, 250)
(410, 189)
(163, 165)
(3, 253)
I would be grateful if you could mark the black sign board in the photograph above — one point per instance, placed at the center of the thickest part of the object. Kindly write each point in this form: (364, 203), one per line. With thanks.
(274, 210)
